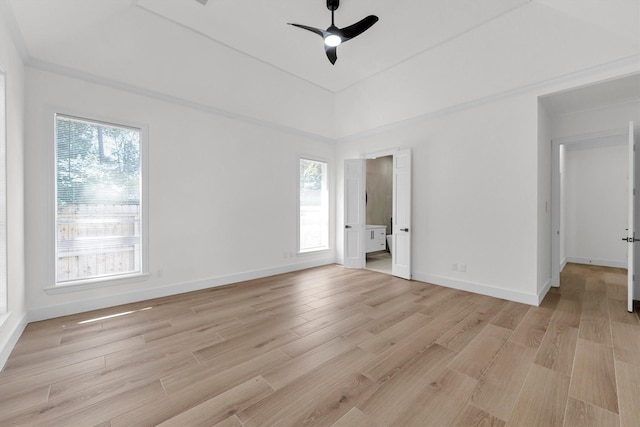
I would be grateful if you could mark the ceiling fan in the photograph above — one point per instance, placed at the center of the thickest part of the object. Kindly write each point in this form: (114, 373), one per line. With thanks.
(334, 36)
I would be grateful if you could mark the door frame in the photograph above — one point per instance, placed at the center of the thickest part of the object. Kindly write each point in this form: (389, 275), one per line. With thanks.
(370, 156)
(633, 259)
(556, 192)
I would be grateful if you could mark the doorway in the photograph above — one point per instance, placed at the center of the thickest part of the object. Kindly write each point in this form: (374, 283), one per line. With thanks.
(355, 220)
(594, 202)
(583, 115)
(379, 205)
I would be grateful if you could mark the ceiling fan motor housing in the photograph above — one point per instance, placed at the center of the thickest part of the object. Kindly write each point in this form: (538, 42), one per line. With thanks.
(333, 4)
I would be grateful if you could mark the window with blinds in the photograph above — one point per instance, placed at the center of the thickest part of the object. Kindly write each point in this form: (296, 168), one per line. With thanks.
(3, 196)
(98, 200)
(313, 220)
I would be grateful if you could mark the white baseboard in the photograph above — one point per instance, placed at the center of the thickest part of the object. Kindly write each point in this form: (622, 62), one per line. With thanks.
(563, 264)
(543, 291)
(598, 262)
(7, 345)
(43, 313)
(481, 288)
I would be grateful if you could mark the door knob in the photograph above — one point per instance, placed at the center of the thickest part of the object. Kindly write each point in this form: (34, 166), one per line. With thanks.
(405, 230)
(347, 226)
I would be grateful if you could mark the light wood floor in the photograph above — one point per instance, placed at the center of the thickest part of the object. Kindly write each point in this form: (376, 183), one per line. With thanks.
(331, 346)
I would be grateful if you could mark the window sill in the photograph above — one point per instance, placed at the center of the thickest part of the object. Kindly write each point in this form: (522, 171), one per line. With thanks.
(96, 283)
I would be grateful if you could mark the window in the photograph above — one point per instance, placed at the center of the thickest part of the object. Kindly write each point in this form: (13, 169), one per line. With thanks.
(3, 197)
(314, 206)
(98, 200)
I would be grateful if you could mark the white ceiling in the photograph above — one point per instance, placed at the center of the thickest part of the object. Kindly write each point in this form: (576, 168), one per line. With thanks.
(259, 29)
(72, 33)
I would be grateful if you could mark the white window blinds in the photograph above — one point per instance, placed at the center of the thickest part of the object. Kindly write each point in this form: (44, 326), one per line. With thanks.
(98, 200)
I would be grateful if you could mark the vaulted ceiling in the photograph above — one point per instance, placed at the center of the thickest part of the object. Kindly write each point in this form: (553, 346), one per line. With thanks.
(257, 28)
(217, 50)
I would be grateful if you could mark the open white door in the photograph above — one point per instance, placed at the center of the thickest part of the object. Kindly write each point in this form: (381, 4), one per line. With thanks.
(401, 251)
(633, 211)
(354, 213)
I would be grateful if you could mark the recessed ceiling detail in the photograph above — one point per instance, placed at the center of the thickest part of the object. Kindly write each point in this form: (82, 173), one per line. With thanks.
(178, 39)
(258, 29)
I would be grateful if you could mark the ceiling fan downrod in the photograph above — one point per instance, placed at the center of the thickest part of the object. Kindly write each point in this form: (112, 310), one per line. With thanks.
(333, 5)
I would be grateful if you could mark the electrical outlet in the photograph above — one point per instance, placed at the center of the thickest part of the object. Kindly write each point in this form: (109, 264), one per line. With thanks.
(454, 267)
(463, 268)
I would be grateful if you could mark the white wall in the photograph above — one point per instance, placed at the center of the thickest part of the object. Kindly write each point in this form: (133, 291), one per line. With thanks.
(544, 199)
(475, 179)
(12, 65)
(469, 110)
(480, 65)
(222, 200)
(481, 187)
(141, 52)
(596, 120)
(596, 186)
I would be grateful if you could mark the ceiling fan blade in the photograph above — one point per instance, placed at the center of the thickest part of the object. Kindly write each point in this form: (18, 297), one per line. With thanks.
(332, 54)
(312, 29)
(358, 28)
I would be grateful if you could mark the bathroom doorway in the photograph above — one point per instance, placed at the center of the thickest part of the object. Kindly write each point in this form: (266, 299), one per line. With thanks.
(379, 208)
(355, 201)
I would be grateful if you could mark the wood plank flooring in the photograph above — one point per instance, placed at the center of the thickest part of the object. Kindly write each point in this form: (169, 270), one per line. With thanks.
(336, 347)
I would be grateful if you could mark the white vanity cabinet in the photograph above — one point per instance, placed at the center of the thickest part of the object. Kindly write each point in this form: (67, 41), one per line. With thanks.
(376, 237)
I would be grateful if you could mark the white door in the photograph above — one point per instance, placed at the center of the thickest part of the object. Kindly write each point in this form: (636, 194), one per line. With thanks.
(401, 251)
(633, 212)
(354, 213)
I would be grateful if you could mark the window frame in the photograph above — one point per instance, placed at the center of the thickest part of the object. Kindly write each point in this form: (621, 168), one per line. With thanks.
(299, 250)
(103, 281)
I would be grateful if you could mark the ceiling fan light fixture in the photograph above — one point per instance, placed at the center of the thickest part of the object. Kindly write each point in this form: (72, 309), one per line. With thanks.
(334, 36)
(332, 40)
